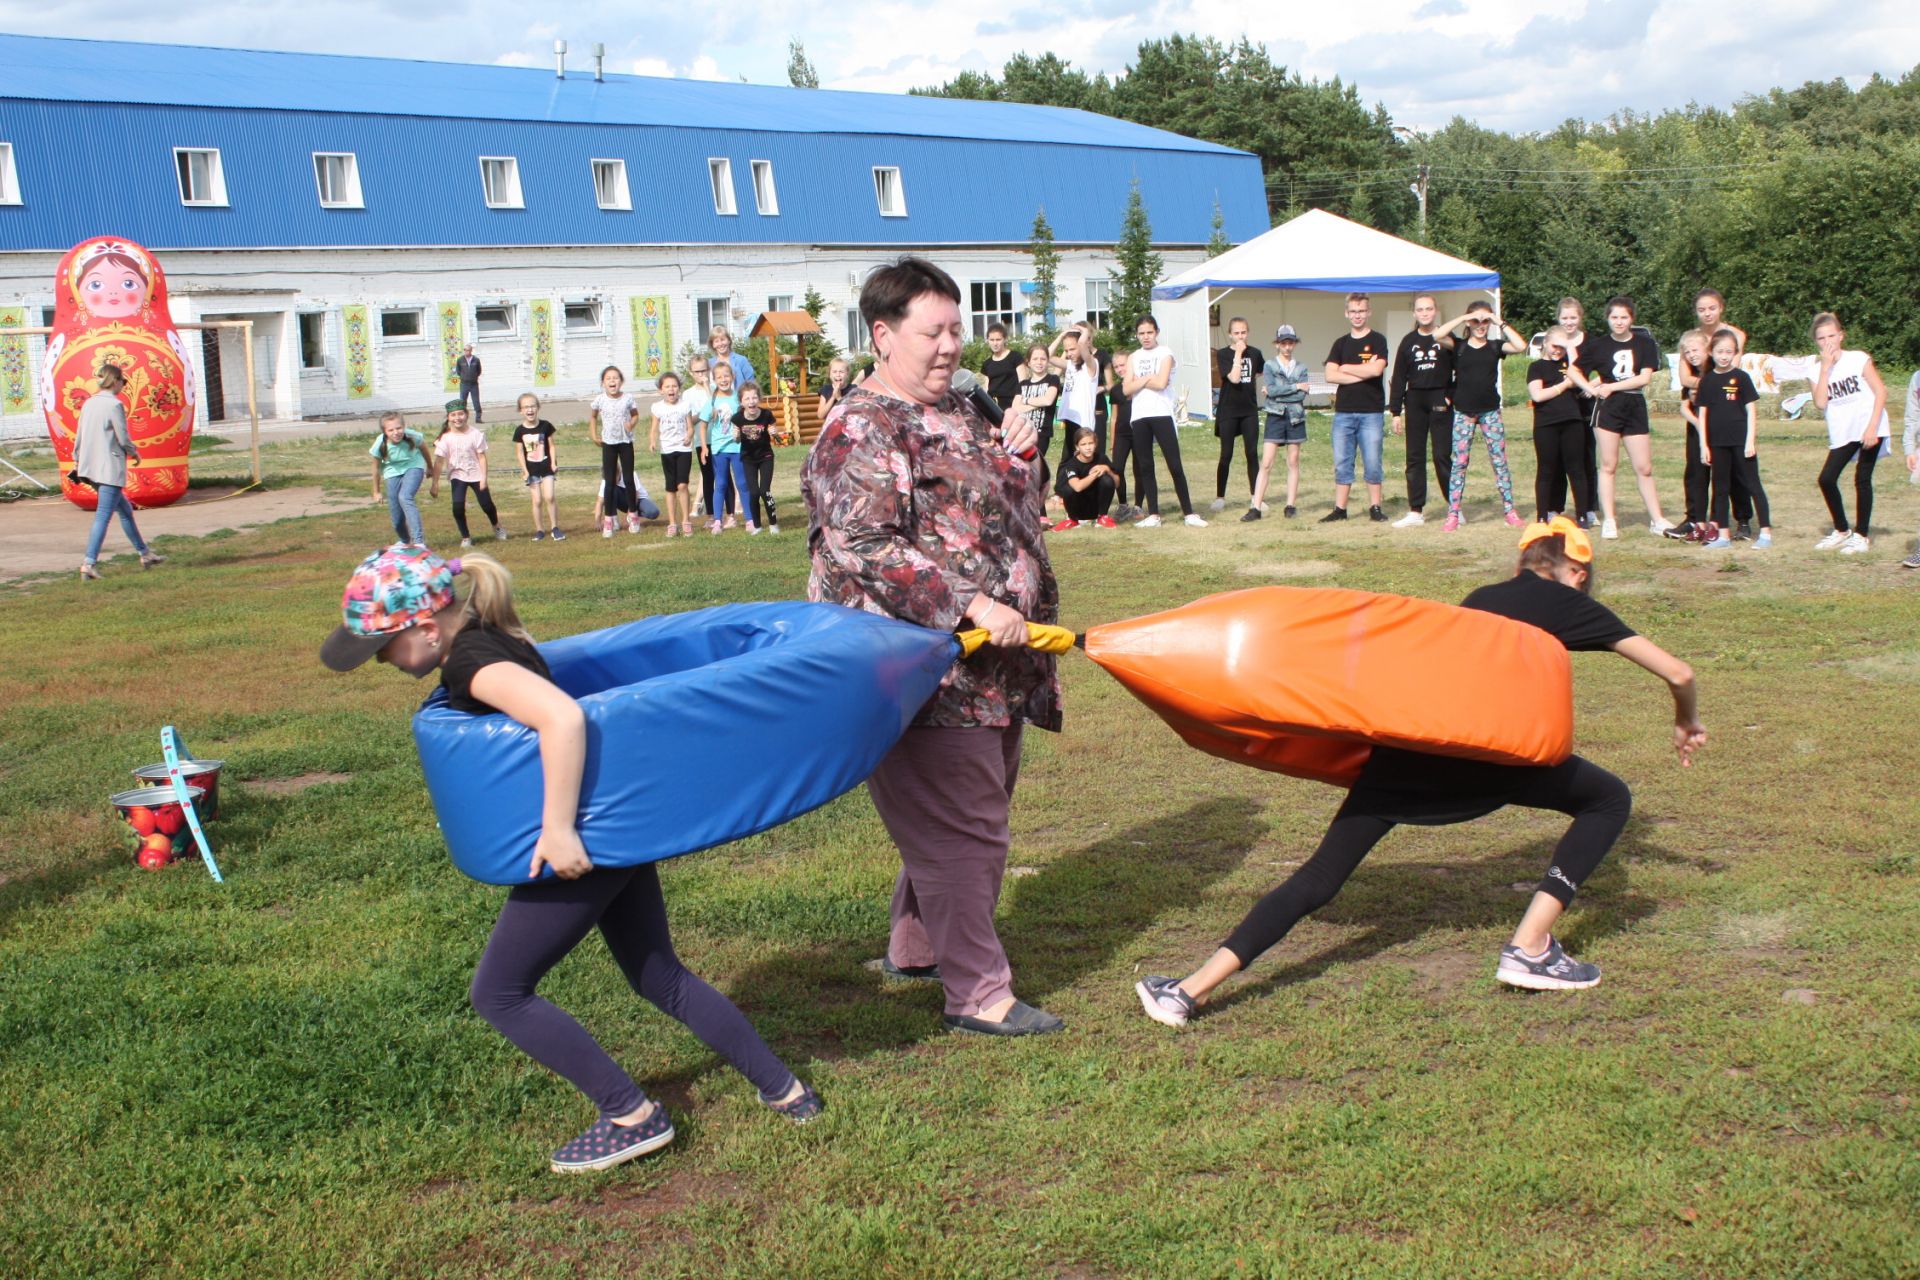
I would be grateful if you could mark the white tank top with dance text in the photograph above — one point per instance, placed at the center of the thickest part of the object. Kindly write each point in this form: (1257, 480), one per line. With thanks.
(1850, 401)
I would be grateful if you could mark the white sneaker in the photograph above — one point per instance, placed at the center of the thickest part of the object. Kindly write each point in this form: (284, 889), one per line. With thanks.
(1195, 522)
(1832, 540)
(1608, 529)
(1218, 504)
(1409, 520)
(1855, 544)
(1147, 522)
(1658, 527)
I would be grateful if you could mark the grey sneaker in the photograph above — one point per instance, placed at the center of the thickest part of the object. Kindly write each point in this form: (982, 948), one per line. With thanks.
(1912, 561)
(1555, 971)
(1163, 1000)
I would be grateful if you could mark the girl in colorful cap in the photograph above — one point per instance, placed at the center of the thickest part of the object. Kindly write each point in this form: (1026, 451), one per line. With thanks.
(1549, 590)
(399, 606)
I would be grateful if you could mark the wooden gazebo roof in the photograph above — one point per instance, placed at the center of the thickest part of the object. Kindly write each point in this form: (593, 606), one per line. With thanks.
(784, 324)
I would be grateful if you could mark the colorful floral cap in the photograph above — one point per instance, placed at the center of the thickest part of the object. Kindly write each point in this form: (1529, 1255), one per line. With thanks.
(394, 588)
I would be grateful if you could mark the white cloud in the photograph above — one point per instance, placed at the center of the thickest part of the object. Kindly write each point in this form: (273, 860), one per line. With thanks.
(1510, 64)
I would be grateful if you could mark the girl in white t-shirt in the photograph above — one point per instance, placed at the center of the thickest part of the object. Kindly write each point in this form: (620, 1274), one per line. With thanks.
(610, 422)
(1848, 388)
(698, 396)
(1148, 384)
(671, 436)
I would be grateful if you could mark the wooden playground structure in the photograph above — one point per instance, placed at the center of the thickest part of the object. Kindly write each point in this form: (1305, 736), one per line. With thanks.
(796, 407)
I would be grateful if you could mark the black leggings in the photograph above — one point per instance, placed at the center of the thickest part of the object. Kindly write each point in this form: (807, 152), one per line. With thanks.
(1837, 460)
(1734, 473)
(614, 459)
(760, 491)
(1091, 502)
(1560, 463)
(1429, 430)
(1246, 428)
(1146, 485)
(541, 923)
(1122, 446)
(484, 498)
(1598, 802)
(1698, 478)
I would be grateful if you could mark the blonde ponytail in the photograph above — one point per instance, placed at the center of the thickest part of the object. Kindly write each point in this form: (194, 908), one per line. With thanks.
(491, 599)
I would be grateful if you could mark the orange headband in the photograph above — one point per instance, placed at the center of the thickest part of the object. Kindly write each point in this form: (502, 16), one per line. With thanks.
(1579, 546)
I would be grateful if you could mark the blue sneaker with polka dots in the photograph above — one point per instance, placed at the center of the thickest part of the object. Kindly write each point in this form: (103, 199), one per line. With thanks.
(607, 1144)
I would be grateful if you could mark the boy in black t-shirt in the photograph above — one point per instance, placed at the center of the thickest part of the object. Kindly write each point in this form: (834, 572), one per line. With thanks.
(1002, 368)
(1357, 368)
(1240, 365)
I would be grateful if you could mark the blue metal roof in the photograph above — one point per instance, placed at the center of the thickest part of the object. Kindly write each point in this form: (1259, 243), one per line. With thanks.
(972, 172)
(96, 71)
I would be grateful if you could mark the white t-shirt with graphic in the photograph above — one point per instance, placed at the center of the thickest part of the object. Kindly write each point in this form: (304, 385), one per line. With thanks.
(617, 416)
(675, 424)
(1148, 403)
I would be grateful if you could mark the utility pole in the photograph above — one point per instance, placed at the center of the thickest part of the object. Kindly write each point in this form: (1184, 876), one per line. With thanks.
(1419, 189)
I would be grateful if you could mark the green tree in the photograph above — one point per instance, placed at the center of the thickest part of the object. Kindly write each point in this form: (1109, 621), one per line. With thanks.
(1217, 242)
(800, 72)
(1137, 267)
(1045, 308)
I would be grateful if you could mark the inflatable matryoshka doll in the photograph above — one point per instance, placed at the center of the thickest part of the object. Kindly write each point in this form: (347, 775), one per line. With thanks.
(110, 306)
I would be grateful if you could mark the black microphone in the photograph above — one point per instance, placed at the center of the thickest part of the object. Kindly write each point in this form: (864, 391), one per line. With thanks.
(969, 386)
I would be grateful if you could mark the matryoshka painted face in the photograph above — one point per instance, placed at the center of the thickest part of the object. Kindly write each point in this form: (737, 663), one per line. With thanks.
(113, 290)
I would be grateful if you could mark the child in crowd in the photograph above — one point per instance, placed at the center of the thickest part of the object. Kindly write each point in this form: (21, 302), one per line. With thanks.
(1560, 432)
(465, 451)
(1040, 397)
(671, 436)
(400, 460)
(1479, 341)
(838, 384)
(1695, 361)
(1284, 392)
(753, 429)
(533, 438)
(610, 424)
(1730, 439)
(1086, 484)
(720, 450)
(699, 391)
(1849, 391)
(1910, 445)
(400, 607)
(1623, 361)
(1148, 384)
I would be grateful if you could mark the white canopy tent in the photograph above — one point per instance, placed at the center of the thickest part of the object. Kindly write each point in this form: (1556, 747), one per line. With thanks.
(1299, 273)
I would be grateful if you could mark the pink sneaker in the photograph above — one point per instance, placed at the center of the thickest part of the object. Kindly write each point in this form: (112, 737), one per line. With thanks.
(714, 528)
(633, 524)
(1453, 522)
(1513, 518)
(729, 523)
(673, 531)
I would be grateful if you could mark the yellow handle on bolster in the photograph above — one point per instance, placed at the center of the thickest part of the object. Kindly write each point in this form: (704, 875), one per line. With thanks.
(1040, 635)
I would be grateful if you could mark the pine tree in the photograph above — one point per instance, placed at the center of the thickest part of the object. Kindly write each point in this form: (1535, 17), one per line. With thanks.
(800, 72)
(1045, 308)
(1217, 243)
(1139, 267)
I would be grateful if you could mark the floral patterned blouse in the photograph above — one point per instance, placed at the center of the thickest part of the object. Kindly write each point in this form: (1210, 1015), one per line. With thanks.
(914, 509)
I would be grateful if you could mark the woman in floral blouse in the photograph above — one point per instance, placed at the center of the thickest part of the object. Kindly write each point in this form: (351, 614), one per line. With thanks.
(918, 514)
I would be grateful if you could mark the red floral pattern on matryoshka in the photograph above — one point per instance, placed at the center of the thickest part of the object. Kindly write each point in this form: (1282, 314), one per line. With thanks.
(110, 304)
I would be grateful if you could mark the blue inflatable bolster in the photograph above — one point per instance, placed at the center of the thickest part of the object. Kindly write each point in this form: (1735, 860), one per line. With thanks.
(702, 728)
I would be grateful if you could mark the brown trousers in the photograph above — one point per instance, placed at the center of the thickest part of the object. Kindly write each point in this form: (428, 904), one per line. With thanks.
(943, 795)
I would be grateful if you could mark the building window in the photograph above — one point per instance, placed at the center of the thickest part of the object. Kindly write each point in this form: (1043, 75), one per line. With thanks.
(887, 190)
(401, 324)
(201, 181)
(313, 339)
(780, 302)
(993, 302)
(493, 320)
(859, 335)
(720, 172)
(708, 312)
(9, 176)
(500, 182)
(1100, 303)
(765, 198)
(610, 184)
(582, 317)
(338, 175)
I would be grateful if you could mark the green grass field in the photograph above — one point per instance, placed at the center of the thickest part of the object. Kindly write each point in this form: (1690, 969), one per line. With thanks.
(281, 1076)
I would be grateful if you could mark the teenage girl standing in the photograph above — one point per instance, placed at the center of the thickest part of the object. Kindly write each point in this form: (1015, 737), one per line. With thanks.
(1624, 359)
(399, 606)
(1476, 403)
(1848, 388)
(1548, 590)
(1570, 319)
(610, 422)
(1560, 431)
(1147, 384)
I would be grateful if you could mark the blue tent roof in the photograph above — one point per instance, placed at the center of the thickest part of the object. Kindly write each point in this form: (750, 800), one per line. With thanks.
(96, 71)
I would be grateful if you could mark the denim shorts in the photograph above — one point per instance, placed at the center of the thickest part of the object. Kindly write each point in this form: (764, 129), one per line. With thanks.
(1286, 428)
(1363, 431)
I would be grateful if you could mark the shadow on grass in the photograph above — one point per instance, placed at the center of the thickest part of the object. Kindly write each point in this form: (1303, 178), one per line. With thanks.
(1400, 901)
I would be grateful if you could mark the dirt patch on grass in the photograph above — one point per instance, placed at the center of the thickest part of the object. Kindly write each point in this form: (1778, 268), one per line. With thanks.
(1289, 569)
(288, 786)
(642, 1205)
(1449, 970)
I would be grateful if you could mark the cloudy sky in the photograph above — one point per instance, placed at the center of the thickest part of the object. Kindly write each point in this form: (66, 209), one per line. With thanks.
(1506, 64)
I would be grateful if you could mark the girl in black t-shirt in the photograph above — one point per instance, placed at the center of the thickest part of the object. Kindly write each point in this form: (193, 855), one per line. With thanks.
(753, 426)
(1040, 398)
(1549, 591)
(1730, 439)
(400, 607)
(1478, 340)
(533, 441)
(1559, 433)
(1618, 366)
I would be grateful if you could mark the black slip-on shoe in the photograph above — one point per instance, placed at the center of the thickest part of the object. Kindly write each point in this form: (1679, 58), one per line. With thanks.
(1021, 1020)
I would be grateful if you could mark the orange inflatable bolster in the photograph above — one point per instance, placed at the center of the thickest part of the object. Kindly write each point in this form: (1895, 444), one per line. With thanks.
(1307, 681)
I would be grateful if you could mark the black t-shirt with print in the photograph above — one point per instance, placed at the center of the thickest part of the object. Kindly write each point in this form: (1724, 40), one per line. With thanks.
(1616, 360)
(534, 441)
(755, 444)
(1041, 416)
(1002, 373)
(1567, 407)
(475, 647)
(1420, 363)
(1360, 397)
(1242, 397)
(1722, 398)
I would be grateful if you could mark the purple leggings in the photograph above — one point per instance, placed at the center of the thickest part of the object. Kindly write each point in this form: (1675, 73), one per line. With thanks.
(542, 922)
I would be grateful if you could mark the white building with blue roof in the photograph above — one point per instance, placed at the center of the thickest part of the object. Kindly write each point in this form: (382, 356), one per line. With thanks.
(372, 215)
